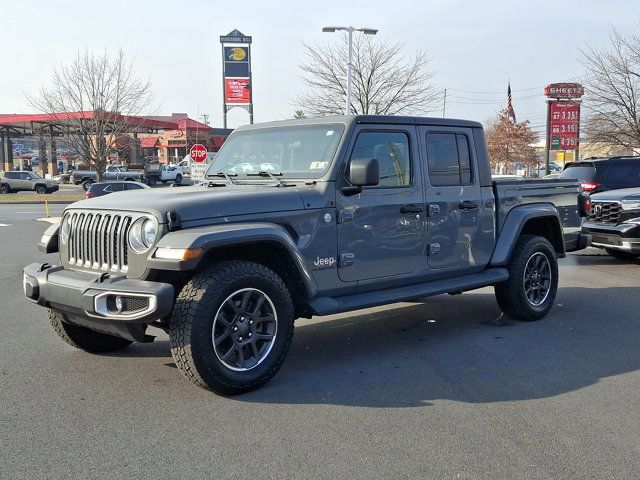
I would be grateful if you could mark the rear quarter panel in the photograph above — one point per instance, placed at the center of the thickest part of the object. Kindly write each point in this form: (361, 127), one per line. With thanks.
(561, 193)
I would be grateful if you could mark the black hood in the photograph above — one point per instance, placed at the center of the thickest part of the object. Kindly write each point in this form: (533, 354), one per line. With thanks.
(200, 202)
(615, 195)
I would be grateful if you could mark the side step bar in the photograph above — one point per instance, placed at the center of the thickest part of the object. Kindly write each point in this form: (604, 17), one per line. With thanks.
(331, 305)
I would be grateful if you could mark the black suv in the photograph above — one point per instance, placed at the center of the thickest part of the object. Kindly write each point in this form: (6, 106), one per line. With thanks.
(603, 174)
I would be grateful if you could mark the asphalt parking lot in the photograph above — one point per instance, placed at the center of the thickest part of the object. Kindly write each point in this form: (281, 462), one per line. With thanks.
(443, 388)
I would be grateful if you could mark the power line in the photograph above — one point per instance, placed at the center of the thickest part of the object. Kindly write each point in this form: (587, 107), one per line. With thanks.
(499, 91)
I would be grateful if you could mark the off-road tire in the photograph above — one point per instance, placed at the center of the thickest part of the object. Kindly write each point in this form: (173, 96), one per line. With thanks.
(178, 179)
(86, 184)
(85, 339)
(191, 326)
(511, 295)
(620, 255)
(41, 189)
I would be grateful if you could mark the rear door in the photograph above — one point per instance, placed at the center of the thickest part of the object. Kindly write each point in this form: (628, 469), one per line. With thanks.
(621, 174)
(453, 199)
(381, 230)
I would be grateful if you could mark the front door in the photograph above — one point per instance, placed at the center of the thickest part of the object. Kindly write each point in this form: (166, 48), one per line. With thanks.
(381, 230)
(453, 198)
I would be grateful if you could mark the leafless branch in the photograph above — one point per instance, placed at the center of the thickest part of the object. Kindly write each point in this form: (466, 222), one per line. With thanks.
(106, 94)
(612, 91)
(385, 80)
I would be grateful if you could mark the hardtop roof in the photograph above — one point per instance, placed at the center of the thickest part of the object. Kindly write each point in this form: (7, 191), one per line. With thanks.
(349, 120)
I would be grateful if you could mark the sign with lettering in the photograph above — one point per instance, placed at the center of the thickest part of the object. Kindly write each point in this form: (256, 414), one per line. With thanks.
(564, 120)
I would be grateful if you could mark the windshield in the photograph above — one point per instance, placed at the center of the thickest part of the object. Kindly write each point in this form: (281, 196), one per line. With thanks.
(303, 151)
(34, 175)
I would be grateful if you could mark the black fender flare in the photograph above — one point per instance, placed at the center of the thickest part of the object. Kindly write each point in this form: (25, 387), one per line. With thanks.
(513, 225)
(236, 234)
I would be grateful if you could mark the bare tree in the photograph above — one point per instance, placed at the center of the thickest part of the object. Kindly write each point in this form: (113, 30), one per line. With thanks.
(509, 143)
(385, 80)
(96, 100)
(612, 91)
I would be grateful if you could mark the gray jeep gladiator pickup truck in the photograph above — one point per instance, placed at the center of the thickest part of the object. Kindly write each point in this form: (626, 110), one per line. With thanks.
(360, 211)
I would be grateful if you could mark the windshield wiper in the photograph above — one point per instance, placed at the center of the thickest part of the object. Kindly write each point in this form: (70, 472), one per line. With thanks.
(272, 176)
(226, 176)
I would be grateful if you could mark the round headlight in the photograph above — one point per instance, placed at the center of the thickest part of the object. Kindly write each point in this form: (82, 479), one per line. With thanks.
(65, 229)
(149, 232)
(143, 234)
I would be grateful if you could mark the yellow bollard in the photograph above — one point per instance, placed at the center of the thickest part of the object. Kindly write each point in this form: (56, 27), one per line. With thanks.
(46, 208)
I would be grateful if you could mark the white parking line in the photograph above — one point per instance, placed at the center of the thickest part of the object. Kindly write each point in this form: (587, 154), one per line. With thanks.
(5, 224)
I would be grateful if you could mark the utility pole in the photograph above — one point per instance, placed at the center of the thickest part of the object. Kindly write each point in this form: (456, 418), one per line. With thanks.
(444, 103)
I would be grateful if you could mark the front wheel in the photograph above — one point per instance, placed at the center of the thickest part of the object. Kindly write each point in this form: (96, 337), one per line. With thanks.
(231, 327)
(85, 339)
(41, 190)
(621, 255)
(86, 185)
(178, 179)
(531, 289)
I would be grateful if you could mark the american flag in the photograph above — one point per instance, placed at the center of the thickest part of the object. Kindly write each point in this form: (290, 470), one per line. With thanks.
(510, 111)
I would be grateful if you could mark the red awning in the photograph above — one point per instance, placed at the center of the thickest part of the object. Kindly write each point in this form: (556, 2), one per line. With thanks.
(181, 145)
(148, 142)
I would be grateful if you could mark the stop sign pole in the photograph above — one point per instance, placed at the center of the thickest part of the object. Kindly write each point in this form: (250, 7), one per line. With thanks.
(198, 153)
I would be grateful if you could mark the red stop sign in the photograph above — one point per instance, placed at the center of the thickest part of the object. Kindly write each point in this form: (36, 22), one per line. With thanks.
(198, 153)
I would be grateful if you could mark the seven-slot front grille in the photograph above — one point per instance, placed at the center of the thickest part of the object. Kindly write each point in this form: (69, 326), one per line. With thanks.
(605, 212)
(98, 240)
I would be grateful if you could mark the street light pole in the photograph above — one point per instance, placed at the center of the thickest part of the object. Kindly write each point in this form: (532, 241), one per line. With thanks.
(347, 109)
(350, 30)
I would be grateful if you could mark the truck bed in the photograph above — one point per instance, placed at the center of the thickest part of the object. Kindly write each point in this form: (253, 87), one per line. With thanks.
(558, 192)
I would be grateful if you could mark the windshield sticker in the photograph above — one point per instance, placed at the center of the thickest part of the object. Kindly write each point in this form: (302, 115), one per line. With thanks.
(318, 165)
(329, 133)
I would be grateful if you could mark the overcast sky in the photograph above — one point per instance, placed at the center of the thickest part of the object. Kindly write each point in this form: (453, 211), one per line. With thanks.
(476, 46)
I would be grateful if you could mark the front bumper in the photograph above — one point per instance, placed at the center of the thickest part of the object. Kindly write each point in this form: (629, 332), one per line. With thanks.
(99, 301)
(624, 236)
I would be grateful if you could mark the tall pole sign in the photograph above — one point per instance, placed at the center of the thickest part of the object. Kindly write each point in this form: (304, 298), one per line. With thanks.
(563, 118)
(236, 73)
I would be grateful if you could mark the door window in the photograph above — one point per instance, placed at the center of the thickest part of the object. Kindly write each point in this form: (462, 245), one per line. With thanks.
(623, 173)
(448, 158)
(391, 149)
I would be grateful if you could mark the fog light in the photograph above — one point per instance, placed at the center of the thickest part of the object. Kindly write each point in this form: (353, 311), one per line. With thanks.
(119, 304)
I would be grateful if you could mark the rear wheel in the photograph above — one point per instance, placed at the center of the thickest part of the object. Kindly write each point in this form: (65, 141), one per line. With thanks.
(178, 178)
(621, 255)
(4, 188)
(231, 327)
(531, 289)
(85, 339)
(86, 184)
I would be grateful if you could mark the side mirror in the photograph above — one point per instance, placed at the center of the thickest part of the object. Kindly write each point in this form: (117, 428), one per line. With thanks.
(363, 172)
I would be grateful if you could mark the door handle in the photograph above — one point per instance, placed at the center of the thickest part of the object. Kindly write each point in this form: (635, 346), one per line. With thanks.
(411, 208)
(467, 205)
